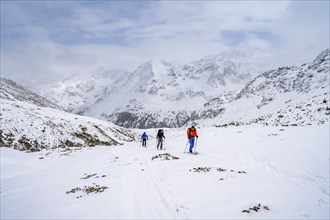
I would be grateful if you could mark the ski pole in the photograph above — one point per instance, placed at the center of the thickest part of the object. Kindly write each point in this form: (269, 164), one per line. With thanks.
(186, 147)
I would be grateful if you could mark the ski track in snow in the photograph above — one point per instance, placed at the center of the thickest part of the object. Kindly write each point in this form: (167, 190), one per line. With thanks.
(142, 174)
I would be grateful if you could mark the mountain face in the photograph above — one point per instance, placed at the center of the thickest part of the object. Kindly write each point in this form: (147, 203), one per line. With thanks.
(9, 90)
(284, 96)
(229, 87)
(31, 123)
(301, 79)
(77, 94)
(159, 93)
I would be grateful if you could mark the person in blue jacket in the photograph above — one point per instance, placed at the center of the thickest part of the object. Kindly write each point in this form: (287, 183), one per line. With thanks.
(144, 137)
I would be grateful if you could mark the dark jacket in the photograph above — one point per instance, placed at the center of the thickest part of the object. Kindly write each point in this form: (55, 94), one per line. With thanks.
(160, 134)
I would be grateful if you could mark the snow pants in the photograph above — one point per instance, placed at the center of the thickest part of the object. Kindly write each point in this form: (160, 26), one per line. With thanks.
(192, 143)
(144, 142)
(160, 143)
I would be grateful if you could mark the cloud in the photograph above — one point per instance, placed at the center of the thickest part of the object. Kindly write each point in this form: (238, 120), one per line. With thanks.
(48, 40)
(306, 23)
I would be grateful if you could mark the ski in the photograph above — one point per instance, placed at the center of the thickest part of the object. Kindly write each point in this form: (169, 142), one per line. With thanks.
(195, 152)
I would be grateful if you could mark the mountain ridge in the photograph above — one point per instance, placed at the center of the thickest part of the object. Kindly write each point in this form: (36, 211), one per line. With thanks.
(292, 95)
(172, 94)
(31, 123)
(12, 91)
(166, 94)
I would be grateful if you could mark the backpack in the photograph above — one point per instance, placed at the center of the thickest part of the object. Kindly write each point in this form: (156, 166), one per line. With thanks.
(160, 133)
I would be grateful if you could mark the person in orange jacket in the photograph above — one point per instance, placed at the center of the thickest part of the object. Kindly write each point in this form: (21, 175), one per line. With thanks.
(192, 133)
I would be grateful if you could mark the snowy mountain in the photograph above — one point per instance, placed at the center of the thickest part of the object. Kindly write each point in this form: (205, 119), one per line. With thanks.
(284, 96)
(78, 93)
(160, 93)
(31, 123)
(303, 79)
(171, 94)
(9, 90)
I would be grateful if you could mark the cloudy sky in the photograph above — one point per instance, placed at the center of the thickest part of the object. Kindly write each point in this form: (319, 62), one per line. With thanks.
(46, 40)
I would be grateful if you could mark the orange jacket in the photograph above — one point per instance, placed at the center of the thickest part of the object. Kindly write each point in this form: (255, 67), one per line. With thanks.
(192, 132)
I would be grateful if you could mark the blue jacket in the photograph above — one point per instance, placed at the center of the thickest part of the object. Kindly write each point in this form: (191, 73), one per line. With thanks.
(144, 136)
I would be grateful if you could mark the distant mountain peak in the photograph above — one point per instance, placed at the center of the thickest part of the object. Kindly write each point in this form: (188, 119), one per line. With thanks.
(234, 54)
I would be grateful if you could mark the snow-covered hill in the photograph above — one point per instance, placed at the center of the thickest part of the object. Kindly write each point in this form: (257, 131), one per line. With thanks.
(31, 123)
(10, 90)
(284, 96)
(303, 79)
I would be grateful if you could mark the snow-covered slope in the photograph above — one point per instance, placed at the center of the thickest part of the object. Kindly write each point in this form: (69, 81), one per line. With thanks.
(284, 96)
(27, 123)
(12, 91)
(284, 169)
(303, 79)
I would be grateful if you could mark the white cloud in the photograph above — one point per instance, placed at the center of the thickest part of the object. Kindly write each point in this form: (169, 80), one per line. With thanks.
(48, 40)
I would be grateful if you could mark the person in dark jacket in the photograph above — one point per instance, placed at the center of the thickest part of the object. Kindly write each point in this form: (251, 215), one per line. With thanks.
(160, 138)
(144, 137)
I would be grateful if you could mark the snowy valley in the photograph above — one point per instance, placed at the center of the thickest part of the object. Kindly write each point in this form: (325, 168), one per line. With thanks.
(285, 170)
(263, 146)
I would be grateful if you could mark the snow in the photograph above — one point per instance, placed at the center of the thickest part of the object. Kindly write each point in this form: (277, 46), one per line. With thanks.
(302, 108)
(26, 126)
(286, 169)
(53, 167)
